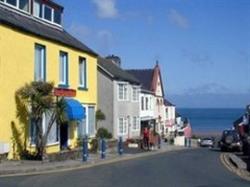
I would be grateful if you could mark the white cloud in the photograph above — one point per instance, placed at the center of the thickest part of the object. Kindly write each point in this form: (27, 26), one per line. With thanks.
(106, 8)
(178, 19)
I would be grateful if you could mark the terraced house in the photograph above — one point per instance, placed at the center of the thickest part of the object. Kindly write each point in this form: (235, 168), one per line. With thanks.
(152, 110)
(118, 99)
(35, 47)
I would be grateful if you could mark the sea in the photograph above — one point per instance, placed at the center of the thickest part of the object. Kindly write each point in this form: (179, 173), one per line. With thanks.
(208, 120)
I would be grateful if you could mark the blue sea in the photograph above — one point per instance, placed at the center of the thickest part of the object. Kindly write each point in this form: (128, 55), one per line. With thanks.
(210, 120)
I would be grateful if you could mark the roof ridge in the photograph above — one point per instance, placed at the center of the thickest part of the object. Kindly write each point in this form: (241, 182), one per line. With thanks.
(146, 69)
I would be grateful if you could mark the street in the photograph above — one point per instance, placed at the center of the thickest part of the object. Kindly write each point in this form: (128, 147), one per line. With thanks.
(189, 168)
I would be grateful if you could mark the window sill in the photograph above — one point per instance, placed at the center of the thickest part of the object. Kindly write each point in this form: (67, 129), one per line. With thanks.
(63, 86)
(82, 88)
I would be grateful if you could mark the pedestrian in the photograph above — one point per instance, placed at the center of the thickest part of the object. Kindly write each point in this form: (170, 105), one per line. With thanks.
(146, 138)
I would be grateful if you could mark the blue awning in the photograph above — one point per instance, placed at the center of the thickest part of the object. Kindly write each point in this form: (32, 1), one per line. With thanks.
(74, 110)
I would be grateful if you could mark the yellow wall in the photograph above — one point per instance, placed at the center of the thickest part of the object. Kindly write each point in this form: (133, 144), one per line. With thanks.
(17, 68)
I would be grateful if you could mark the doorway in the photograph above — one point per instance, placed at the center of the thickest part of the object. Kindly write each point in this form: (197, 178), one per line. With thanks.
(64, 136)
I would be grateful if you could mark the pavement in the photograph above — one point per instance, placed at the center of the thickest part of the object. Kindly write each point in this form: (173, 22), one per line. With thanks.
(199, 167)
(22, 168)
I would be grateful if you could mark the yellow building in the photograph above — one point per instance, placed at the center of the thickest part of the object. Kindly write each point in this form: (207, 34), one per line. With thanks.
(34, 46)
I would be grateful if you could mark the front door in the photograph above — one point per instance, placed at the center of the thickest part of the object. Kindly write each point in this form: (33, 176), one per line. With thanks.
(64, 136)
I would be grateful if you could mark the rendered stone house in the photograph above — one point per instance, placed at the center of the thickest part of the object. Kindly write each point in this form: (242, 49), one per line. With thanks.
(34, 46)
(118, 97)
(152, 111)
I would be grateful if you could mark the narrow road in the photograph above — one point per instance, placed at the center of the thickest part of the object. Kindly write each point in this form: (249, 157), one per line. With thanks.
(190, 168)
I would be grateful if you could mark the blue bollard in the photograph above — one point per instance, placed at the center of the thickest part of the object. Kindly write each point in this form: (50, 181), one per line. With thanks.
(85, 149)
(120, 146)
(103, 149)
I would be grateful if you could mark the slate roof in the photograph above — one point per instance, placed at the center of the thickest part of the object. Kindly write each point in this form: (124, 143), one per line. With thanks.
(168, 103)
(30, 25)
(145, 76)
(117, 72)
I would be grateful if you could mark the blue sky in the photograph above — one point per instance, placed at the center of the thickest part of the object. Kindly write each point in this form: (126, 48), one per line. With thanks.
(203, 47)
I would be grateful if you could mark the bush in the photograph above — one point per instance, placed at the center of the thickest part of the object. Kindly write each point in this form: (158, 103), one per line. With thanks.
(93, 145)
(103, 133)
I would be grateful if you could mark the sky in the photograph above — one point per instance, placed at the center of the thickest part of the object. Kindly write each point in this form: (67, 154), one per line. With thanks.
(203, 46)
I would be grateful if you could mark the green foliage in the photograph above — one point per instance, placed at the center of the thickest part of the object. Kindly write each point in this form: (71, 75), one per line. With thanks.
(93, 145)
(34, 100)
(100, 115)
(103, 133)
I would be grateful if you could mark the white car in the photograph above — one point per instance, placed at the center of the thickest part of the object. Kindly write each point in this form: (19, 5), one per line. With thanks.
(207, 142)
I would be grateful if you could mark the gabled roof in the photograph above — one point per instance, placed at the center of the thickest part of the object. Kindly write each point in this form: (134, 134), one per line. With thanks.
(148, 78)
(28, 24)
(168, 103)
(116, 72)
(145, 77)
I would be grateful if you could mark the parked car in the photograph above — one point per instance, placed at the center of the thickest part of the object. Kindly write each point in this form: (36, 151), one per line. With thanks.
(230, 141)
(207, 142)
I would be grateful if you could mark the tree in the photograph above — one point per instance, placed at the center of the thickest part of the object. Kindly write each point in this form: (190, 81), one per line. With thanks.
(38, 99)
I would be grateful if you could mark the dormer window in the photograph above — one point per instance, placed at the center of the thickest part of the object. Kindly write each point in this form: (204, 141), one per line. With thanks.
(57, 16)
(19, 4)
(45, 10)
(12, 2)
(24, 5)
(37, 9)
(47, 13)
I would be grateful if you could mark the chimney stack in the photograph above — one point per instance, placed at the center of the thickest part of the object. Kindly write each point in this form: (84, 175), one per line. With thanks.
(115, 60)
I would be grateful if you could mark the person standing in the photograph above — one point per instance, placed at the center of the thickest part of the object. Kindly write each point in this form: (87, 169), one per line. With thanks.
(146, 138)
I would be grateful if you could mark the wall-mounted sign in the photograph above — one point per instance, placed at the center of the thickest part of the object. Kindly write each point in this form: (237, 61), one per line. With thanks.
(63, 92)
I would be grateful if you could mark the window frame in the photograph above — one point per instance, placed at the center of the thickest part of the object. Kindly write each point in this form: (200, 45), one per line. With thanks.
(43, 64)
(33, 128)
(17, 6)
(124, 125)
(125, 91)
(42, 8)
(135, 94)
(64, 55)
(136, 123)
(82, 74)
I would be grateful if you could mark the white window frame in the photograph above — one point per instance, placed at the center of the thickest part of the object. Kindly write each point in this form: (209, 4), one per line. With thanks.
(17, 5)
(86, 106)
(125, 97)
(135, 95)
(42, 66)
(82, 73)
(63, 65)
(136, 123)
(124, 124)
(44, 126)
(52, 13)
(52, 21)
